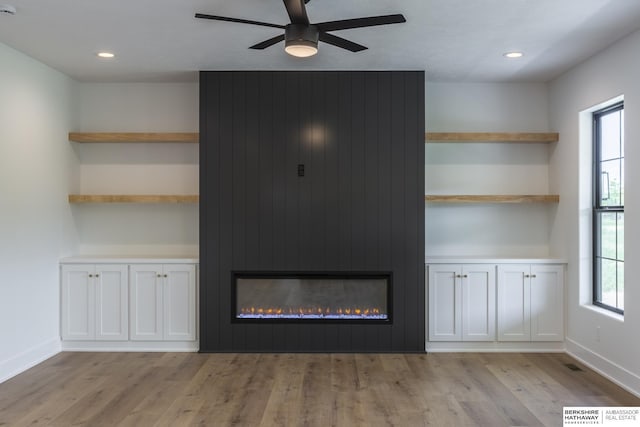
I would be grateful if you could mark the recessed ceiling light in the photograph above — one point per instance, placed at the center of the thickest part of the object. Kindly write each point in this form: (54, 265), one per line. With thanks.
(7, 9)
(105, 55)
(513, 55)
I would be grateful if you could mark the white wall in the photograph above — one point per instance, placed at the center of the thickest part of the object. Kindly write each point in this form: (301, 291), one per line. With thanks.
(611, 73)
(160, 168)
(37, 169)
(487, 168)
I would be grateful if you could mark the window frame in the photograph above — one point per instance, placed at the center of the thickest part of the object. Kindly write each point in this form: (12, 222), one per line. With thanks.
(598, 209)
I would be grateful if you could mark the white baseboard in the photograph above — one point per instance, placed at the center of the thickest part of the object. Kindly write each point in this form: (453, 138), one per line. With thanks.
(494, 347)
(147, 346)
(605, 367)
(27, 359)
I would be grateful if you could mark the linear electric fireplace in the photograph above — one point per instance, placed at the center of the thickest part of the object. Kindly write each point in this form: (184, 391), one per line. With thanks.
(311, 297)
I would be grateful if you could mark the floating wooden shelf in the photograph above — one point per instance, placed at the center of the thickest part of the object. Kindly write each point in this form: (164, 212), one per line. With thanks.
(491, 137)
(117, 137)
(550, 198)
(127, 198)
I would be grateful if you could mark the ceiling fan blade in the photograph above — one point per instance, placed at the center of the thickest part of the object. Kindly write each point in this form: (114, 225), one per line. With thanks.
(265, 44)
(340, 42)
(297, 11)
(371, 21)
(240, 21)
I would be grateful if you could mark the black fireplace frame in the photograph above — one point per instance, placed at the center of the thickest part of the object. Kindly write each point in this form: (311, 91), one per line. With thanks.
(388, 275)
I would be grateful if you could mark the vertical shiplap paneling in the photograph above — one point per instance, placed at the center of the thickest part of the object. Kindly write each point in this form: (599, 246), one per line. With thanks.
(266, 183)
(371, 191)
(371, 171)
(239, 197)
(359, 206)
(411, 185)
(252, 184)
(398, 232)
(358, 183)
(266, 187)
(345, 194)
(345, 161)
(321, 207)
(295, 185)
(419, 126)
(225, 176)
(331, 255)
(252, 188)
(239, 166)
(210, 206)
(306, 233)
(281, 174)
(383, 182)
(358, 187)
(281, 171)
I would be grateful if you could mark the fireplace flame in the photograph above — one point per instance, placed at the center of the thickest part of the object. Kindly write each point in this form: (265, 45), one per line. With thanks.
(312, 312)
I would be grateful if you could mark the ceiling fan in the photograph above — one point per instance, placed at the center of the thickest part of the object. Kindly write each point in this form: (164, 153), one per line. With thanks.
(301, 37)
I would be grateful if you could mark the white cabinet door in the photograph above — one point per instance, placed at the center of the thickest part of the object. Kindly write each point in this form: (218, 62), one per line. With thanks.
(531, 302)
(111, 291)
(163, 302)
(514, 302)
(547, 302)
(146, 302)
(78, 302)
(478, 302)
(179, 302)
(445, 303)
(462, 302)
(94, 302)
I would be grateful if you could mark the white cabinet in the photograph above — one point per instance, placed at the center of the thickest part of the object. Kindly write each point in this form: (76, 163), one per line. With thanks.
(461, 302)
(137, 304)
(94, 302)
(530, 302)
(163, 302)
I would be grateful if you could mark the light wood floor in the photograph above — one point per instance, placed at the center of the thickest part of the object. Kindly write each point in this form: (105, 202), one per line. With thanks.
(175, 389)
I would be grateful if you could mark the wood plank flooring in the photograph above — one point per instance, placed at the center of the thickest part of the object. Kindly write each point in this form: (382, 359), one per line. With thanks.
(176, 389)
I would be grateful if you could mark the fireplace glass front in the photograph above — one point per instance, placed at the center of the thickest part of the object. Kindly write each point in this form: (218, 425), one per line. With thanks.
(311, 297)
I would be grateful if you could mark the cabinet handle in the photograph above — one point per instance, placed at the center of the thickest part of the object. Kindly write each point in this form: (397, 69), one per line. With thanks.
(457, 275)
(464, 276)
(526, 275)
(91, 275)
(533, 275)
(166, 275)
(97, 275)
(159, 275)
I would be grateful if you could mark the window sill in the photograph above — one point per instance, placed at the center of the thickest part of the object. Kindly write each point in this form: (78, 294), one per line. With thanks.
(603, 311)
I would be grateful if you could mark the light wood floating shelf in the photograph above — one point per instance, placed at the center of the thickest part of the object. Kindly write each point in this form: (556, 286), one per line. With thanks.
(117, 137)
(126, 198)
(491, 137)
(550, 198)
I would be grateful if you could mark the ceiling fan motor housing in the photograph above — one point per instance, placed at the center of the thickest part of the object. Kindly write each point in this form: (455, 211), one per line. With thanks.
(301, 35)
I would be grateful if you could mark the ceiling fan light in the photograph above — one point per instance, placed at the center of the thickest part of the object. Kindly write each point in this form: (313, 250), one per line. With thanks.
(301, 48)
(301, 40)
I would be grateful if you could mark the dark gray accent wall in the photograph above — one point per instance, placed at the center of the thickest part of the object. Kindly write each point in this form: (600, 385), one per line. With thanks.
(359, 207)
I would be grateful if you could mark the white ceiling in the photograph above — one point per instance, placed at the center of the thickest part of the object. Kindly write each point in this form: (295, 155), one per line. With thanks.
(453, 40)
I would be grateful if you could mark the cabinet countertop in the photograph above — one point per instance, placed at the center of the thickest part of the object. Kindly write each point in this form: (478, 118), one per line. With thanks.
(130, 259)
(491, 260)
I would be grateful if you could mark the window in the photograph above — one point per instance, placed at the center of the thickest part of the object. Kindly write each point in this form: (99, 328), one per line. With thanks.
(608, 208)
